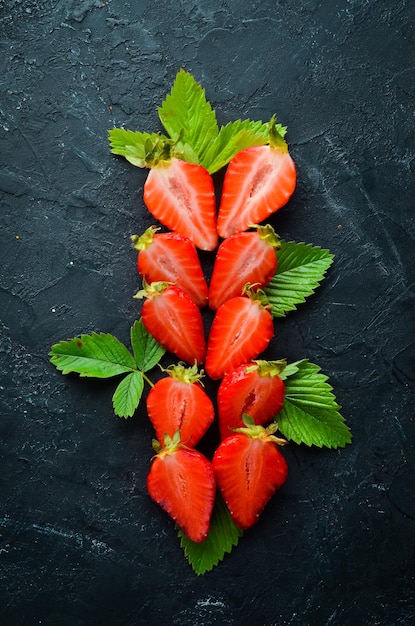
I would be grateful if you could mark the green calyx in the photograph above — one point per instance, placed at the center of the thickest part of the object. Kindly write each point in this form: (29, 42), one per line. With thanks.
(171, 444)
(142, 242)
(267, 234)
(142, 149)
(152, 290)
(267, 368)
(184, 373)
(256, 295)
(260, 432)
(158, 152)
(276, 135)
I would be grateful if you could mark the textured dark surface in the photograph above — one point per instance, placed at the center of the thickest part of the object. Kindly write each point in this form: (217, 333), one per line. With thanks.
(81, 543)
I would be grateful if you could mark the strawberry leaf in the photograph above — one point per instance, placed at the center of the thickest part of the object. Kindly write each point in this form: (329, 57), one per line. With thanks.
(103, 356)
(147, 351)
(310, 414)
(233, 138)
(128, 394)
(222, 537)
(290, 369)
(301, 268)
(191, 125)
(135, 146)
(97, 355)
(187, 115)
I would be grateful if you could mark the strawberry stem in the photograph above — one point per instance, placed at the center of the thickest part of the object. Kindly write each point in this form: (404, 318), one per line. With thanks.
(146, 378)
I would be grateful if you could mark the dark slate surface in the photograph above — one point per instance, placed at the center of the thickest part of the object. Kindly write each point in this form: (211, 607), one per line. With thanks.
(81, 543)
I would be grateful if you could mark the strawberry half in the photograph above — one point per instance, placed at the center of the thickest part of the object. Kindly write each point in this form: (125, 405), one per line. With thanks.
(181, 480)
(258, 181)
(174, 320)
(249, 468)
(181, 195)
(255, 389)
(173, 258)
(179, 402)
(248, 257)
(241, 329)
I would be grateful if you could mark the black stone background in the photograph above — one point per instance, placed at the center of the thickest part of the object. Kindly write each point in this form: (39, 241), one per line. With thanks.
(81, 542)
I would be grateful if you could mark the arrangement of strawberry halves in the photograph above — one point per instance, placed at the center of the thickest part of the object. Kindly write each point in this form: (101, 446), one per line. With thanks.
(247, 466)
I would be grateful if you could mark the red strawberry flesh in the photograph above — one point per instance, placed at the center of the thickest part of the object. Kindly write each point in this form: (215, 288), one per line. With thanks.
(240, 331)
(243, 258)
(179, 402)
(254, 389)
(174, 320)
(182, 483)
(248, 471)
(173, 258)
(258, 181)
(181, 196)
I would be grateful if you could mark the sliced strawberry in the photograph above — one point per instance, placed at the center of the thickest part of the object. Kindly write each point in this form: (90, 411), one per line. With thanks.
(181, 196)
(174, 320)
(253, 388)
(258, 181)
(241, 329)
(249, 468)
(179, 402)
(248, 257)
(181, 481)
(173, 258)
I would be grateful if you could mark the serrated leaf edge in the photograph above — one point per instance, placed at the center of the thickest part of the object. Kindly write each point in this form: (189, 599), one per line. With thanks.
(232, 542)
(281, 311)
(56, 357)
(332, 407)
(121, 384)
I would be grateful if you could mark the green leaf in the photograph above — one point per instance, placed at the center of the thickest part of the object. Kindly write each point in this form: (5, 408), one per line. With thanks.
(191, 125)
(97, 355)
(128, 394)
(233, 138)
(301, 268)
(290, 369)
(147, 351)
(310, 414)
(135, 146)
(188, 116)
(222, 537)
